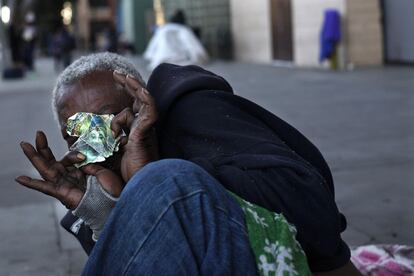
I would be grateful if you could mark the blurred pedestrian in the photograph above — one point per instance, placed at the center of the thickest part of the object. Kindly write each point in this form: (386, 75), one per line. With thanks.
(29, 37)
(111, 37)
(15, 40)
(179, 17)
(175, 43)
(330, 38)
(125, 45)
(62, 45)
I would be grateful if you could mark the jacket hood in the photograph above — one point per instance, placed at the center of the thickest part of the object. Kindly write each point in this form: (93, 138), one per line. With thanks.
(169, 82)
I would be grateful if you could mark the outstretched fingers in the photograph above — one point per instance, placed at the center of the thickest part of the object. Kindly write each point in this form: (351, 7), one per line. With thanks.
(50, 171)
(147, 113)
(136, 90)
(38, 185)
(119, 78)
(146, 118)
(125, 81)
(141, 119)
(42, 147)
(36, 159)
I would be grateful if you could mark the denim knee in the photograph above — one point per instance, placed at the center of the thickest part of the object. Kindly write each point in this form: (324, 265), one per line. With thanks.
(157, 172)
(167, 180)
(174, 209)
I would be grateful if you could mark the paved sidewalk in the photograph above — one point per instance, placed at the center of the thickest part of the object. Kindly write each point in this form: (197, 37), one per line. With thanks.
(362, 121)
(32, 242)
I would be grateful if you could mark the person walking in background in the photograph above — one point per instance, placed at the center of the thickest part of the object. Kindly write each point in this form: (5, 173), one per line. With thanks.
(111, 36)
(175, 43)
(62, 45)
(15, 41)
(29, 37)
(179, 18)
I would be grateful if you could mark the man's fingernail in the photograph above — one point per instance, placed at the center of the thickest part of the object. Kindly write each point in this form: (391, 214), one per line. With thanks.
(131, 77)
(80, 156)
(117, 72)
(21, 179)
(113, 133)
(22, 143)
(145, 91)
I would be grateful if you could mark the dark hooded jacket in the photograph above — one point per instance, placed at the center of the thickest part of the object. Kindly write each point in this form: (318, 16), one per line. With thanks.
(251, 152)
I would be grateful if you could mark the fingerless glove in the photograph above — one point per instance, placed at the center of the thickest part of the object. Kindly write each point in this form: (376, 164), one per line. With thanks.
(95, 206)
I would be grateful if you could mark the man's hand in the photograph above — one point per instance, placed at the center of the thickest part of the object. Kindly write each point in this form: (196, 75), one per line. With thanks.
(141, 145)
(61, 179)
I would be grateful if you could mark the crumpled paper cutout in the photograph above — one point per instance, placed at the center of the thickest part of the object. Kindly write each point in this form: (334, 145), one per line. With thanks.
(95, 140)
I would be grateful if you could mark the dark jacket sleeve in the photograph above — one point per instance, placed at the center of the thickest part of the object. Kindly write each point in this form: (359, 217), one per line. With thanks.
(218, 131)
(77, 228)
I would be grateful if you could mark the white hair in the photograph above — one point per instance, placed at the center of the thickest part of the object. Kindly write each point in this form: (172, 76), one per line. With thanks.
(86, 65)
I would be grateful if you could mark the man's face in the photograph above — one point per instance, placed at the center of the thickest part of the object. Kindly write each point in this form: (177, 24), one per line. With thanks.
(96, 93)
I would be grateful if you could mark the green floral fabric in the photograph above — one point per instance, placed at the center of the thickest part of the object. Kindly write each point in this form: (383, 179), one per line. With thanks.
(273, 242)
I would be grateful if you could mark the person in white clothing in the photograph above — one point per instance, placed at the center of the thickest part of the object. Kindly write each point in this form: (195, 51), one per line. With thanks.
(177, 44)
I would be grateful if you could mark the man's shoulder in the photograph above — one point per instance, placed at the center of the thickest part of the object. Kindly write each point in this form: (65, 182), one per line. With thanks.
(170, 83)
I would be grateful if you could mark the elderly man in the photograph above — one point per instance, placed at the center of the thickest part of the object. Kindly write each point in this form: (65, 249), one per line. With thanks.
(176, 216)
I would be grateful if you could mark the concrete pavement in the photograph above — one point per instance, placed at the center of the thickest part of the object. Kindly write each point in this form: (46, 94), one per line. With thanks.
(362, 121)
(32, 243)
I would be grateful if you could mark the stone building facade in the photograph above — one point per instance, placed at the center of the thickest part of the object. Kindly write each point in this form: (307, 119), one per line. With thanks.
(210, 19)
(253, 24)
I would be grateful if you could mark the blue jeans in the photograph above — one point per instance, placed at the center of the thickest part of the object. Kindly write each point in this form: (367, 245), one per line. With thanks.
(173, 218)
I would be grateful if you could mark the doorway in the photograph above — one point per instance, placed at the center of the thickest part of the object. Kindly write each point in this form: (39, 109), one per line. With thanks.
(399, 34)
(281, 14)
